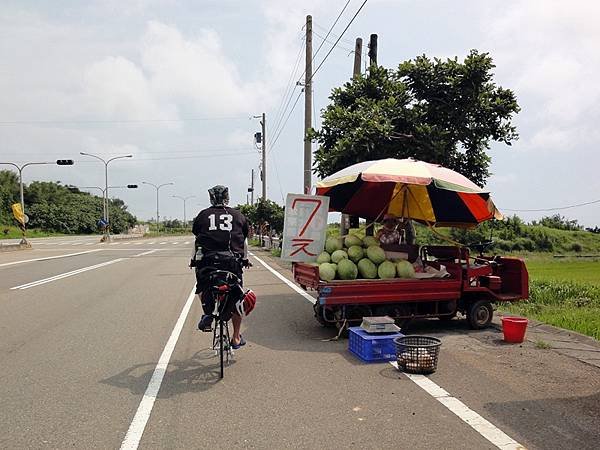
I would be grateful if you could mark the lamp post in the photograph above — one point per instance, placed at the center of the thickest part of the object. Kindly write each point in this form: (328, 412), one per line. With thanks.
(106, 162)
(59, 162)
(157, 187)
(185, 199)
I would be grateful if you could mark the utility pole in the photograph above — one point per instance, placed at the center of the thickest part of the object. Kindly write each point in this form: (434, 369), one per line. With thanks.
(370, 230)
(252, 189)
(373, 50)
(263, 122)
(345, 221)
(308, 107)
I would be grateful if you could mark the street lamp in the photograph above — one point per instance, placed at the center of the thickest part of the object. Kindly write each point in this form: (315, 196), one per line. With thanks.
(106, 161)
(157, 187)
(185, 199)
(59, 162)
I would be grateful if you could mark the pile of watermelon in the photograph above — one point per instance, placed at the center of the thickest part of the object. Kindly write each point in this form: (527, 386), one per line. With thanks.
(351, 257)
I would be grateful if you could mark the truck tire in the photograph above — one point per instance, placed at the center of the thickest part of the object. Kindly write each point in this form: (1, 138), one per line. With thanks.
(479, 314)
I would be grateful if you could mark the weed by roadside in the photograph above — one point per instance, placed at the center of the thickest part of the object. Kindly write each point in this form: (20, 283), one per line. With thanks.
(542, 345)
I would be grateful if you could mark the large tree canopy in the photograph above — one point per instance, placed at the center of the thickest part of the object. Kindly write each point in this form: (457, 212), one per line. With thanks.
(444, 112)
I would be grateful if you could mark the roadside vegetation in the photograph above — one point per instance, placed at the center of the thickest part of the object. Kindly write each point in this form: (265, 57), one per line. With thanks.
(14, 232)
(54, 208)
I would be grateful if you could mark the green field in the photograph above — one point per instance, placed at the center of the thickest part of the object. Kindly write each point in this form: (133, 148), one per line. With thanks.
(12, 232)
(564, 292)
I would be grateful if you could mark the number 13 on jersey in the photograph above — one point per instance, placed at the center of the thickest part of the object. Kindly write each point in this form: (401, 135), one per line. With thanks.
(224, 222)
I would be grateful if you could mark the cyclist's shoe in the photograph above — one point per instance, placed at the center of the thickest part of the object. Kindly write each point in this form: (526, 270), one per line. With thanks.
(239, 344)
(205, 323)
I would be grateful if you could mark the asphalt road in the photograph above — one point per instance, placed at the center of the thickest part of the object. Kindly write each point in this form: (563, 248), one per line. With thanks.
(81, 336)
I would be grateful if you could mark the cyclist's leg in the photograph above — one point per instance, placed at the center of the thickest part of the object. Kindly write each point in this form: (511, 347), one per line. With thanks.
(237, 325)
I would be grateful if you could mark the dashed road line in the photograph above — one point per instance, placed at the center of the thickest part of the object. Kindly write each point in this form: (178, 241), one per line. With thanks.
(149, 252)
(47, 258)
(65, 275)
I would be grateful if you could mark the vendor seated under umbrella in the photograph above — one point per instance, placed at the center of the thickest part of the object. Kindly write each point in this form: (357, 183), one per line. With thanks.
(392, 239)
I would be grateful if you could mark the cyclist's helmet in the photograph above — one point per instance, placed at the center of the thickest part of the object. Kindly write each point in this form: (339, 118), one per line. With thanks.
(219, 195)
(246, 304)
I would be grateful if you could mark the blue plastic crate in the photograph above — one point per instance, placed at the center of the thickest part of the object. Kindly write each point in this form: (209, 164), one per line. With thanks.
(377, 347)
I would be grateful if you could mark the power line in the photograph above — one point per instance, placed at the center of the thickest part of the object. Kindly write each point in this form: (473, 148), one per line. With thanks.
(284, 123)
(338, 39)
(98, 121)
(346, 40)
(328, 33)
(289, 94)
(346, 49)
(552, 209)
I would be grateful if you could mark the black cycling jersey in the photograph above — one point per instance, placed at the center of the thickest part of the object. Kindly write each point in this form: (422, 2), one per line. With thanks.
(219, 229)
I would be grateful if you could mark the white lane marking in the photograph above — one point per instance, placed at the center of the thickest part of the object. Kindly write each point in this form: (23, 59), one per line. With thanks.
(485, 428)
(175, 243)
(153, 242)
(162, 243)
(65, 243)
(77, 243)
(47, 258)
(126, 243)
(146, 253)
(139, 243)
(90, 243)
(65, 275)
(186, 243)
(299, 290)
(138, 424)
(114, 243)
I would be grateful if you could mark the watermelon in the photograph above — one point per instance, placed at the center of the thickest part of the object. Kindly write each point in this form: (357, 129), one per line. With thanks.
(405, 269)
(347, 270)
(376, 254)
(367, 269)
(326, 272)
(386, 270)
(323, 258)
(352, 240)
(369, 241)
(333, 243)
(338, 255)
(355, 253)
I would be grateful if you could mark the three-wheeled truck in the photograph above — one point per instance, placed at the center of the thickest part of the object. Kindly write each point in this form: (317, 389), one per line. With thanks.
(473, 285)
(434, 196)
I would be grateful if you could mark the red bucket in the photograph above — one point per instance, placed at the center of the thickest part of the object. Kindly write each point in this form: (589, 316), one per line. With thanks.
(514, 329)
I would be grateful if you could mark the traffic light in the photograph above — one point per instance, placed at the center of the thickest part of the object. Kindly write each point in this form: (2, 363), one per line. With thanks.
(132, 186)
(258, 137)
(64, 162)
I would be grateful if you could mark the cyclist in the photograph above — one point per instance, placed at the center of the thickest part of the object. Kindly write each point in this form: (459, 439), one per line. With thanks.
(221, 244)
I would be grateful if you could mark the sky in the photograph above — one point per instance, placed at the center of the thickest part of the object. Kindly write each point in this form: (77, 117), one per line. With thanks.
(178, 84)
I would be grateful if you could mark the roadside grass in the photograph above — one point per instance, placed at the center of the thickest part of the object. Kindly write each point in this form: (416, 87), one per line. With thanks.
(563, 292)
(12, 232)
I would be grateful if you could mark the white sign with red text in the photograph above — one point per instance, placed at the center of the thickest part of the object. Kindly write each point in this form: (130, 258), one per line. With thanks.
(304, 227)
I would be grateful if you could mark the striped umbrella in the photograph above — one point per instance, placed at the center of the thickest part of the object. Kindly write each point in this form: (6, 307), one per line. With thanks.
(428, 193)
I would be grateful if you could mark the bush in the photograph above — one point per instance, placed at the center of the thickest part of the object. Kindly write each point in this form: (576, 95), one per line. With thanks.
(521, 244)
(576, 247)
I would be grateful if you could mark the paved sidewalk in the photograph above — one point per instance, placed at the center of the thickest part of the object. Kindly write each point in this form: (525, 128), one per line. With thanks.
(569, 343)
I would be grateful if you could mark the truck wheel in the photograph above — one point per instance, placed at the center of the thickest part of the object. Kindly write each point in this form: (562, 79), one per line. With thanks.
(319, 316)
(480, 314)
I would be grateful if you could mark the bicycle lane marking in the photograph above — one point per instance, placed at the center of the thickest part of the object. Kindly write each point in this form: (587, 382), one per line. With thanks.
(140, 420)
(485, 428)
(46, 258)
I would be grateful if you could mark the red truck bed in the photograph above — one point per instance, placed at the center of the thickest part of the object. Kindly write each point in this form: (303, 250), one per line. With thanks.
(377, 291)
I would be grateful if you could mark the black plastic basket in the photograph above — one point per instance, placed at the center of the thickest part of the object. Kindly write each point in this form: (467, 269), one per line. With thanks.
(417, 354)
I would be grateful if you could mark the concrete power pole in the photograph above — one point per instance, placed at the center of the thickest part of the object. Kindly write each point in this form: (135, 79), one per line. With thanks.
(345, 221)
(252, 189)
(372, 62)
(263, 122)
(308, 107)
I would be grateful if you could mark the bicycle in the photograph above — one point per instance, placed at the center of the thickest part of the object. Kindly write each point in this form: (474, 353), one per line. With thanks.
(222, 283)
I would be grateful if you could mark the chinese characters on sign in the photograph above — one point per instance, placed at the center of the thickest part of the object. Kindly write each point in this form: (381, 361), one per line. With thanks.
(304, 227)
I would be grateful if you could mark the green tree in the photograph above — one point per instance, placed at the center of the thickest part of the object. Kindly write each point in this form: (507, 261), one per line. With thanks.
(9, 194)
(445, 112)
